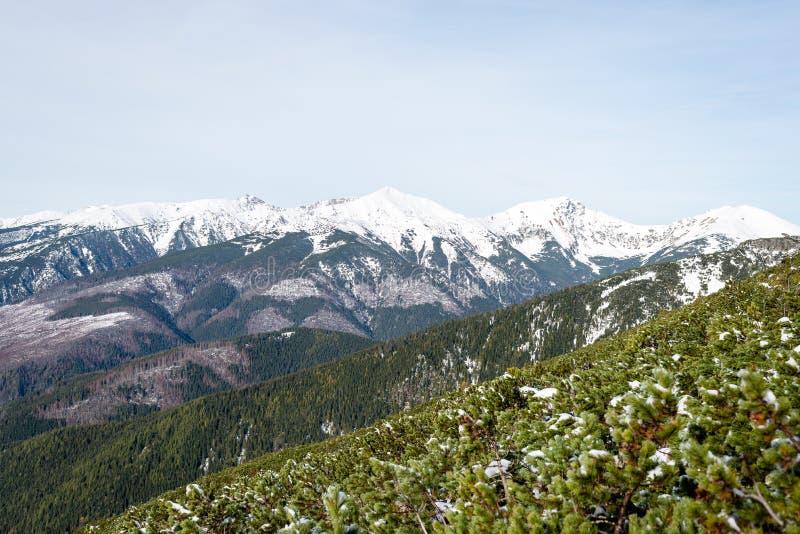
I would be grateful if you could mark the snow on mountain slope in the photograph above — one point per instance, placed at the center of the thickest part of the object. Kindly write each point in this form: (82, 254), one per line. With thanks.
(407, 222)
(584, 232)
(200, 222)
(653, 288)
(416, 228)
(28, 335)
(24, 220)
(125, 215)
(739, 223)
(403, 221)
(588, 234)
(555, 242)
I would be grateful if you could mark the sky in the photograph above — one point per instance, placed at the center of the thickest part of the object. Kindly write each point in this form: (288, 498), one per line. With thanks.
(648, 111)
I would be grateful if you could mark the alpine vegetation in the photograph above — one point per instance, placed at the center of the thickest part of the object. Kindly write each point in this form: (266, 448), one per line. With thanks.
(688, 423)
(134, 458)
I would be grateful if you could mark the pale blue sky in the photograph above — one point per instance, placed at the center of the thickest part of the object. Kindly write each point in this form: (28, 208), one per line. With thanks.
(646, 110)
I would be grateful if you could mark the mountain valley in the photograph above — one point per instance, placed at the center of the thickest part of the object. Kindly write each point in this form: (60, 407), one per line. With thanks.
(345, 394)
(90, 289)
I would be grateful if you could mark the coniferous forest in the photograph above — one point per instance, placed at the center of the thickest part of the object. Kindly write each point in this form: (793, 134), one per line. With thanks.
(689, 423)
(102, 469)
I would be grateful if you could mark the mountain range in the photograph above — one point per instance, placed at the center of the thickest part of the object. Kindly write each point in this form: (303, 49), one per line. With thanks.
(173, 340)
(689, 423)
(102, 468)
(89, 289)
(525, 250)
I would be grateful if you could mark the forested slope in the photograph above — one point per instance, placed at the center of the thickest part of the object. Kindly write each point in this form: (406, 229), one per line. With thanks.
(102, 469)
(170, 378)
(687, 424)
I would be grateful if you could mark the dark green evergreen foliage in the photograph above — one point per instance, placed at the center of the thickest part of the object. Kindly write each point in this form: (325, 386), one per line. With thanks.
(95, 305)
(690, 423)
(207, 302)
(391, 322)
(304, 307)
(265, 356)
(196, 381)
(19, 419)
(220, 328)
(283, 353)
(339, 396)
(199, 257)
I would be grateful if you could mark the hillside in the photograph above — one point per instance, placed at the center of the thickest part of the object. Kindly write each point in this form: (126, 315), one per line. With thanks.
(689, 423)
(263, 283)
(171, 378)
(102, 469)
(507, 257)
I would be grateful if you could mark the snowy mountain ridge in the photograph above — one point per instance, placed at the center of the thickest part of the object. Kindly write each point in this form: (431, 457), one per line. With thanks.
(209, 221)
(557, 235)
(591, 234)
(389, 213)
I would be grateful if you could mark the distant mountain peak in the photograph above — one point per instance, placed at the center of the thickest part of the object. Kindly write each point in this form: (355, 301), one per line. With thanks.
(250, 200)
(588, 234)
(542, 209)
(389, 196)
(561, 230)
(563, 201)
(389, 191)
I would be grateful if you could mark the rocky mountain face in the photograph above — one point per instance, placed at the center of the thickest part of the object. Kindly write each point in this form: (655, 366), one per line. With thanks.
(42, 250)
(528, 249)
(257, 283)
(89, 289)
(260, 284)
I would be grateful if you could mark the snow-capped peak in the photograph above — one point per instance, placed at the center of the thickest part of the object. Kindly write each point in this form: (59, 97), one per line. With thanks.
(250, 200)
(411, 223)
(106, 216)
(737, 222)
(386, 201)
(399, 219)
(33, 218)
(588, 234)
(201, 222)
(584, 232)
